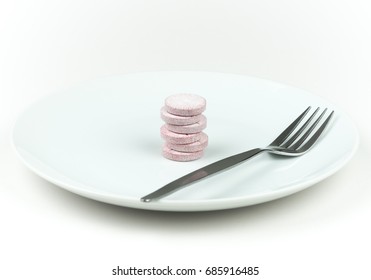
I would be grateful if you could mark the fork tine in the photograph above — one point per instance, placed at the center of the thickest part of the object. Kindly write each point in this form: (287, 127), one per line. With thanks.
(301, 140)
(283, 136)
(317, 134)
(300, 131)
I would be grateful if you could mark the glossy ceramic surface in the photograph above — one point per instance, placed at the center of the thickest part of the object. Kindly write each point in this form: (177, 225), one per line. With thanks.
(101, 140)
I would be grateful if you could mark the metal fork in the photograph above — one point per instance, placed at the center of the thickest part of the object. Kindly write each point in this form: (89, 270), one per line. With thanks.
(288, 143)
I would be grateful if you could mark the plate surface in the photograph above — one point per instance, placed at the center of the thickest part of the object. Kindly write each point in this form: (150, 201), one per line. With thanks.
(101, 140)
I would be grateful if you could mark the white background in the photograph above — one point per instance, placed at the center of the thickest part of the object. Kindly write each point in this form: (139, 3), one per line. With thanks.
(321, 46)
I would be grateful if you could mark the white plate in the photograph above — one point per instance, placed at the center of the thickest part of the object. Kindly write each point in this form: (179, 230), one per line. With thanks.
(101, 140)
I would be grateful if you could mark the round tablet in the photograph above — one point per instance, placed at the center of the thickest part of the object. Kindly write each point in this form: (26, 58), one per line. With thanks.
(178, 120)
(178, 138)
(191, 128)
(190, 148)
(185, 104)
(180, 156)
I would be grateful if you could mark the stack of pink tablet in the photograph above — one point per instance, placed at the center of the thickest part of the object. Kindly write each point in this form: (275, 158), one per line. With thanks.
(183, 128)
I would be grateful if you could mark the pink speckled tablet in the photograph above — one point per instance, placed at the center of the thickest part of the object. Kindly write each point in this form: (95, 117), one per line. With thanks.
(192, 128)
(178, 120)
(185, 104)
(190, 148)
(178, 138)
(180, 156)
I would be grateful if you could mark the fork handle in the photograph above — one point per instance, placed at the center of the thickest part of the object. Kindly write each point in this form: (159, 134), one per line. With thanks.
(201, 173)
